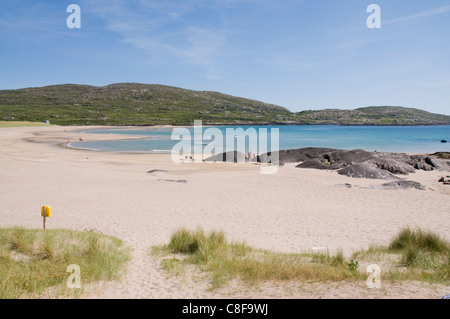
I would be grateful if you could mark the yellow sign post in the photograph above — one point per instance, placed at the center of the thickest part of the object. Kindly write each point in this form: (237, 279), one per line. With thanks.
(46, 211)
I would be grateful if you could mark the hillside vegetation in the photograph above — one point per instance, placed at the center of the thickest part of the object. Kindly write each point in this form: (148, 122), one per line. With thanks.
(150, 104)
(373, 115)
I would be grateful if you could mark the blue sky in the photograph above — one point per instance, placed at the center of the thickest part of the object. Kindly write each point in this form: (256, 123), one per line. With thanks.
(301, 54)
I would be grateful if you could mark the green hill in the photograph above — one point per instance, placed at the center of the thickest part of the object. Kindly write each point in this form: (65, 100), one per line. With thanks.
(149, 104)
(373, 115)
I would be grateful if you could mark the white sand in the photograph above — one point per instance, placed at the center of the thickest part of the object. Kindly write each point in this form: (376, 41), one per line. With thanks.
(294, 210)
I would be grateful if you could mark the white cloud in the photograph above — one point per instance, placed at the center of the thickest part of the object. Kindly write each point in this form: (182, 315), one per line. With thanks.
(159, 29)
(432, 12)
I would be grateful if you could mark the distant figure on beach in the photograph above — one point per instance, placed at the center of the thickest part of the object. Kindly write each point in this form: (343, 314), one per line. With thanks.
(81, 140)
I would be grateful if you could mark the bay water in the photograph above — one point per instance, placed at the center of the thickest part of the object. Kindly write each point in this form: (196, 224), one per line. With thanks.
(408, 139)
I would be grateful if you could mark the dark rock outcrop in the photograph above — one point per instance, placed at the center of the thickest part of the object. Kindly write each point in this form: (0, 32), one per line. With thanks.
(353, 163)
(366, 170)
(444, 180)
(363, 164)
(231, 157)
(302, 154)
(442, 155)
(293, 156)
(316, 164)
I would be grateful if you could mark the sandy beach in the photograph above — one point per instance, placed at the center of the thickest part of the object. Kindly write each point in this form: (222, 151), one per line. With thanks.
(294, 210)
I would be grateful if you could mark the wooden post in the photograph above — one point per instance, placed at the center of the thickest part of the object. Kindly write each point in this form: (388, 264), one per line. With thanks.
(43, 209)
(46, 212)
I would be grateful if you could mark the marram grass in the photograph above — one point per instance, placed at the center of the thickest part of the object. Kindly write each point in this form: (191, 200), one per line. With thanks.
(420, 255)
(228, 260)
(412, 255)
(33, 260)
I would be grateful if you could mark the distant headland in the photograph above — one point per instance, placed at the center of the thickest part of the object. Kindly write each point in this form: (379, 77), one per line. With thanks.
(153, 104)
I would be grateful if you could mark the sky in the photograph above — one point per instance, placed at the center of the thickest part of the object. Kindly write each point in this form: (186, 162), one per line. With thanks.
(300, 54)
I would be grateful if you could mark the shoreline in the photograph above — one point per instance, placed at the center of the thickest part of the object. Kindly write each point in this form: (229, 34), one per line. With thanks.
(255, 124)
(94, 137)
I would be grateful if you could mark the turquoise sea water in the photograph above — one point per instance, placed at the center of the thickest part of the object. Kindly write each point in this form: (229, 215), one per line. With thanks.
(412, 139)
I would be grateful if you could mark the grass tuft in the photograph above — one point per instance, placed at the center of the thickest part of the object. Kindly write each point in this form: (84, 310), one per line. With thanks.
(33, 260)
(421, 255)
(411, 255)
(227, 260)
(418, 240)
